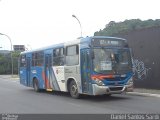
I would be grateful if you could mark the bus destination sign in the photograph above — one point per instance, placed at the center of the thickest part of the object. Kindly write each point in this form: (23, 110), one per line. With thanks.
(109, 42)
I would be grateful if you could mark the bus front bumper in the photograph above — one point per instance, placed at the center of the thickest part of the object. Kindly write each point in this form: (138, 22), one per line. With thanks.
(101, 90)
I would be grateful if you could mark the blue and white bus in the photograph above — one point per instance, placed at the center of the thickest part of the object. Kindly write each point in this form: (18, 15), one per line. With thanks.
(95, 65)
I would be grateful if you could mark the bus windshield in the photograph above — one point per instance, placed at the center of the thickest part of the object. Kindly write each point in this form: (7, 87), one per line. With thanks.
(112, 61)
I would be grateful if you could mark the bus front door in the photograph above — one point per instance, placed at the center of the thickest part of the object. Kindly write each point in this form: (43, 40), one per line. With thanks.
(28, 71)
(85, 70)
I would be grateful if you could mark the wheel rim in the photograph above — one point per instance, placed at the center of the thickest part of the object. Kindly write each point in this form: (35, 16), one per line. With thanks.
(74, 90)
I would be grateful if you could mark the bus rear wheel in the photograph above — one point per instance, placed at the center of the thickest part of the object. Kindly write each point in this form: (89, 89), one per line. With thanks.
(35, 85)
(73, 89)
(107, 95)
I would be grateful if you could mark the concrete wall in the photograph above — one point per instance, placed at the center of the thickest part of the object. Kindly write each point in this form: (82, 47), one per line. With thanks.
(145, 44)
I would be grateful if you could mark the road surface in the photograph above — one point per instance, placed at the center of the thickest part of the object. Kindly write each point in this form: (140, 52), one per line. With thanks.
(15, 98)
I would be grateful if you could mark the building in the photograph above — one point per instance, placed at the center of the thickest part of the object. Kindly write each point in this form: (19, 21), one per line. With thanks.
(20, 48)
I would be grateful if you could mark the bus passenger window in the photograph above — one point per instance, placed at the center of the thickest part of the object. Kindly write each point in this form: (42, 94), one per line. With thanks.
(72, 55)
(58, 57)
(22, 60)
(37, 58)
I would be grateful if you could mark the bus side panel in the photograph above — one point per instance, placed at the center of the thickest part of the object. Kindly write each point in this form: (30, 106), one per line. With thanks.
(58, 78)
(74, 73)
(22, 75)
(38, 73)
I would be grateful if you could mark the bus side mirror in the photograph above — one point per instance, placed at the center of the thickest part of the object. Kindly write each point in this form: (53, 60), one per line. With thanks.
(92, 54)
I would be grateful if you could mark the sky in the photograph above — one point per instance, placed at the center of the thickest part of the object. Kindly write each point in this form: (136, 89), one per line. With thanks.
(39, 23)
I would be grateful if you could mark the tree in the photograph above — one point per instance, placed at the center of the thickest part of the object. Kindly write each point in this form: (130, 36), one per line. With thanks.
(5, 63)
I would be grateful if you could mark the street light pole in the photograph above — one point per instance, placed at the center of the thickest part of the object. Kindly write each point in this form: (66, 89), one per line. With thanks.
(11, 50)
(79, 23)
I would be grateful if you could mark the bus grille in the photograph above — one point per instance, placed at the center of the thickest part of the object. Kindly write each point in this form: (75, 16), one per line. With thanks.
(116, 88)
(117, 79)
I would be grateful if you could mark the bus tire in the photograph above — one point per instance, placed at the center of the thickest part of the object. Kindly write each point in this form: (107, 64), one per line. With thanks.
(108, 95)
(36, 85)
(73, 90)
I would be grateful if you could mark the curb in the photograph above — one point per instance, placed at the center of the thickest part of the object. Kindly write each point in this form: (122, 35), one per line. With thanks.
(15, 78)
(144, 94)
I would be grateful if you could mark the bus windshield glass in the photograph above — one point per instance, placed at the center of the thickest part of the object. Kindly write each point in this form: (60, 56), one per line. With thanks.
(112, 61)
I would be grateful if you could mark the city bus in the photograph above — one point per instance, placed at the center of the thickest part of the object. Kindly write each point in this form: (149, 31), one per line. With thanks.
(97, 65)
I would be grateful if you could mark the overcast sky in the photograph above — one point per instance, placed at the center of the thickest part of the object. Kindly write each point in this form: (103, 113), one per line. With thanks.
(38, 23)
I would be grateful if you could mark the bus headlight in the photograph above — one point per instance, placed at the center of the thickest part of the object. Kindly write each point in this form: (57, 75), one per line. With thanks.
(99, 82)
(98, 79)
(130, 81)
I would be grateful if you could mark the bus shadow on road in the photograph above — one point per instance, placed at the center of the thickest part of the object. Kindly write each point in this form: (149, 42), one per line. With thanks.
(98, 98)
(55, 93)
(101, 98)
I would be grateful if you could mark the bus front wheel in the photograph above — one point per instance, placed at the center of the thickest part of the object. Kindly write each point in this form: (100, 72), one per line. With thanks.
(35, 85)
(73, 89)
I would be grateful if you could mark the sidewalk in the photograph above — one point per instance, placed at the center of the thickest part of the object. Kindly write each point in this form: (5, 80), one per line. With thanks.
(9, 77)
(142, 90)
(145, 92)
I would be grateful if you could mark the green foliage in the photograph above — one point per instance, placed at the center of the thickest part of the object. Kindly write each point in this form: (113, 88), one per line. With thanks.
(5, 63)
(113, 28)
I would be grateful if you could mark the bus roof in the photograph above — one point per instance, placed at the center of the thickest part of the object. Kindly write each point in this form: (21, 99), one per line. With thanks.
(109, 37)
(79, 40)
(44, 48)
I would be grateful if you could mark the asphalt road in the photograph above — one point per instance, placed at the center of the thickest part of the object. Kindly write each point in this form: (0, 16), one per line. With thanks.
(15, 98)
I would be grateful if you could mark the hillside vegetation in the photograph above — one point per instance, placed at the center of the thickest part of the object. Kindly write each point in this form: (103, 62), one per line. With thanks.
(113, 27)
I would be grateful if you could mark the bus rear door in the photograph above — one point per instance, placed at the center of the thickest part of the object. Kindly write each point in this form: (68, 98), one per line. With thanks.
(28, 71)
(48, 61)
